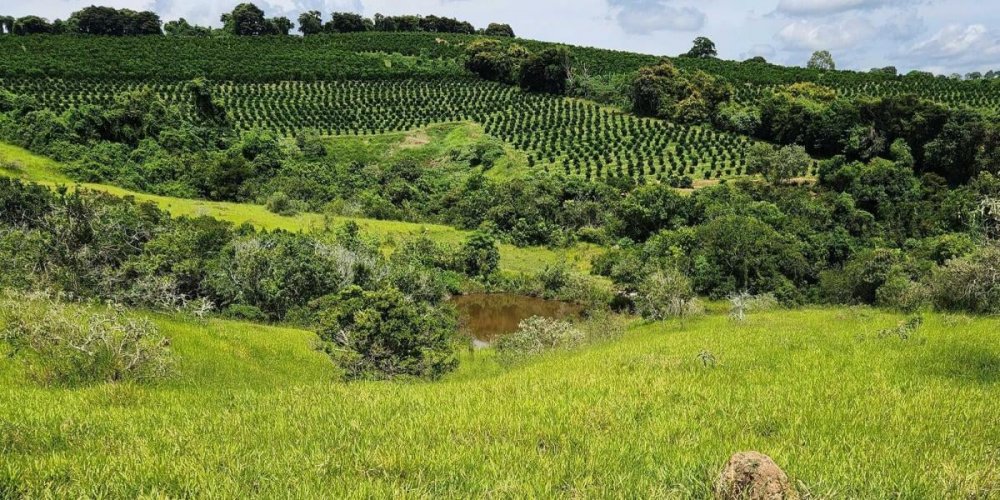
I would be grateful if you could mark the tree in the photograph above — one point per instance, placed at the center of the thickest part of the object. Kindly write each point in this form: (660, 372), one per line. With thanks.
(495, 29)
(777, 165)
(384, 334)
(749, 255)
(953, 152)
(280, 25)
(347, 22)
(970, 283)
(31, 25)
(181, 27)
(546, 71)
(311, 23)
(663, 91)
(246, 19)
(888, 70)
(702, 48)
(822, 60)
(480, 255)
(143, 23)
(6, 25)
(492, 61)
(648, 210)
(95, 20)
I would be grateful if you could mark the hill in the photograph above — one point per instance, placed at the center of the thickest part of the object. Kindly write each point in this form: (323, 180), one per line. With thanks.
(256, 411)
(20, 164)
(379, 55)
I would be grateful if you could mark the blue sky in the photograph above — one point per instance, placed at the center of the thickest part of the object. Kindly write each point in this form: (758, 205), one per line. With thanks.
(934, 35)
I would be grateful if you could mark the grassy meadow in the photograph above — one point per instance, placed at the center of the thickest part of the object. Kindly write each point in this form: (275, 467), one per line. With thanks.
(255, 411)
(423, 145)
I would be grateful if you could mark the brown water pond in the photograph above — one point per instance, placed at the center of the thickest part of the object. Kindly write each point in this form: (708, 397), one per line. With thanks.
(488, 316)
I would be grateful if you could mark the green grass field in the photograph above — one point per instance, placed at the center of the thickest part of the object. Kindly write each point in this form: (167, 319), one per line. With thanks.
(22, 164)
(257, 412)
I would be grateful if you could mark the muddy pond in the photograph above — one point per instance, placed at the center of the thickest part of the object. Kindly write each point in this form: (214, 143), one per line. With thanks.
(488, 316)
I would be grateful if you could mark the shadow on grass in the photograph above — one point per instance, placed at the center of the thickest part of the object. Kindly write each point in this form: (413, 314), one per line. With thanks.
(969, 364)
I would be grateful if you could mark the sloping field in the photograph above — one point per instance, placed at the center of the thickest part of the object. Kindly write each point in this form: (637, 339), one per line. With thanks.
(255, 411)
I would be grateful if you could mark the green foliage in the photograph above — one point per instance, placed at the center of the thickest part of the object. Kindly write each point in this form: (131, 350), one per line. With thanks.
(246, 19)
(664, 91)
(108, 21)
(281, 204)
(778, 165)
(537, 335)
(217, 58)
(499, 30)
(666, 294)
(822, 60)
(383, 334)
(278, 271)
(181, 27)
(702, 48)
(492, 60)
(480, 255)
(62, 344)
(546, 71)
(969, 283)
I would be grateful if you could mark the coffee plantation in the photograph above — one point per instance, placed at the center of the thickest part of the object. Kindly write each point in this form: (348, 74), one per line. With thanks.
(556, 134)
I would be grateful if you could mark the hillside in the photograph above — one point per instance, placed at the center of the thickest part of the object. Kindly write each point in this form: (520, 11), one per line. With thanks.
(20, 164)
(406, 256)
(255, 411)
(374, 55)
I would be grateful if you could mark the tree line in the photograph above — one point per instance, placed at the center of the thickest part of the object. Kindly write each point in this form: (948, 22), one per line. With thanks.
(246, 19)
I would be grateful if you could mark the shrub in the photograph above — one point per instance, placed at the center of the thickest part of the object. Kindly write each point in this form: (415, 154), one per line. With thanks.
(481, 255)
(281, 204)
(666, 294)
(384, 334)
(602, 325)
(970, 283)
(900, 292)
(245, 313)
(742, 303)
(536, 335)
(65, 345)
(486, 151)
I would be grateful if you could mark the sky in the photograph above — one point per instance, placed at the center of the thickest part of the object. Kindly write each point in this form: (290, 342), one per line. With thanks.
(942, 36)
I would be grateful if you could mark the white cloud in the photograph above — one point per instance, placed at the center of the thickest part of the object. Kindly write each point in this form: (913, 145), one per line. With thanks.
(904, 26)
(825, 7)
(958, 47)
(842, 34)
(649, 16)
(761, 49)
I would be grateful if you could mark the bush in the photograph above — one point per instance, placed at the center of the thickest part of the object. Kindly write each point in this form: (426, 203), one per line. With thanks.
(486, 152)
(970, 283)
(384, 334)
(666, 294)
(536, 335)
(742, 303)
(900, 292)
(244, 312)
(65, 345)
(281, 204)
(481, 255)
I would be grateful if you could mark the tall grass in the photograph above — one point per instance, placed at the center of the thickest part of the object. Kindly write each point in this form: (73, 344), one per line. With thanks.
(256, 411)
